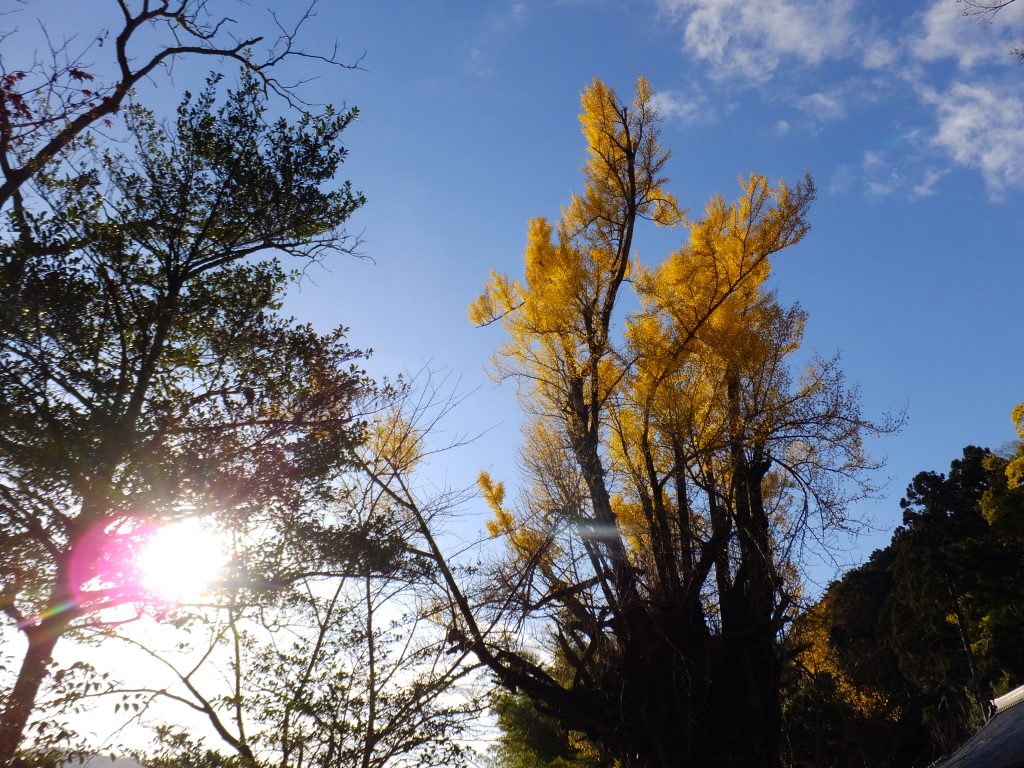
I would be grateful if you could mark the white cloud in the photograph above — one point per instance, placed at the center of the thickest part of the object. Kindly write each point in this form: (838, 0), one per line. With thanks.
(478, 64)
(872, 159)
(878, 54)
(880, 178)
(982, 127)
(686, 108)
(823, 106)
(946, 33)
(880, 188)
(974, 125)
(927, 186)
(747, 39)
(881, 182)
(503, 23)
(510, 18)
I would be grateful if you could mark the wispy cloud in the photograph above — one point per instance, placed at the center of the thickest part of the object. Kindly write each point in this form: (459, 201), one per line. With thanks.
(878, 54)
(944, 33)
(688, 108)
(872, 159)
(882, 187)
(823, 106)
(513, 16)
(477, 62)
(981, 126)
(739, 38)
(880, 178)
(502, 24)
(926, 187)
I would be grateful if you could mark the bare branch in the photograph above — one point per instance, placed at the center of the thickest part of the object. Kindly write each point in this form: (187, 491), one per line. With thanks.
(44, 109)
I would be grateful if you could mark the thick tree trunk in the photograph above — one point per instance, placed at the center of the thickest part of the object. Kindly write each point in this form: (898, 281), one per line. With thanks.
(20, 703)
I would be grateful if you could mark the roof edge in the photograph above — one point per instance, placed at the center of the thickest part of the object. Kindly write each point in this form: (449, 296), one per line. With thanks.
(1007, 700)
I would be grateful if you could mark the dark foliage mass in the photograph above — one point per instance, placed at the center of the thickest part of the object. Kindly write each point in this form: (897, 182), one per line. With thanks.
(898, 662)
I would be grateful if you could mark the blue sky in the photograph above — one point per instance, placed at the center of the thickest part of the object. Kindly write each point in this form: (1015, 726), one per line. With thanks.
(909, 117)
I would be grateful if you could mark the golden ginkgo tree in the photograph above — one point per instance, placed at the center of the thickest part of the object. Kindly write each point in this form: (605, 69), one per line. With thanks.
(674, 462)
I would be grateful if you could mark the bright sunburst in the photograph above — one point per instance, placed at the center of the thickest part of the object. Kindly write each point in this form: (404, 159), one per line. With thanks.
(181, 560)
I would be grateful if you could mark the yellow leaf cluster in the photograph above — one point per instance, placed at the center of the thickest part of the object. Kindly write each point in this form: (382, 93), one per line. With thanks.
(630, 516)
(557, 319)
(624, 161)
(524, 540)
(712, 284)
(494, 494)
(395, 443)
(1015, 469)
(819, 657)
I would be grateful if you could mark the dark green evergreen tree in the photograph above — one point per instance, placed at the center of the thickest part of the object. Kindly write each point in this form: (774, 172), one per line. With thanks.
(146, 370)
(928, 630)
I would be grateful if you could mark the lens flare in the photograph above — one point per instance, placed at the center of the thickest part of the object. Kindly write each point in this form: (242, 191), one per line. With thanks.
(180, 561)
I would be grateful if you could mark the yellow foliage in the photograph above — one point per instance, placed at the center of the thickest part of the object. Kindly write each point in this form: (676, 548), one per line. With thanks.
(615, 135)
(494, 495)
(527, 542)
(585, 749)
(558, 318)
(498, 299)
(395, 443)
(707, 322)
(630, 516)
(711, 285)
(1015, 469)
(655, 397)
(820, 658)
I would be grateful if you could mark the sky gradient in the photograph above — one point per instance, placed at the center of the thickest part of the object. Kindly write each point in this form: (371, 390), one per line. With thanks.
(909, 116)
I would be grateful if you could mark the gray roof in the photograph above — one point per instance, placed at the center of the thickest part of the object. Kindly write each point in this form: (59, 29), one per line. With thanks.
(999, 743)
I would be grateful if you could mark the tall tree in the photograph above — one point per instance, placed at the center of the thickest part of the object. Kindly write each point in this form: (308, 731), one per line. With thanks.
(672, 467)
(146, 372)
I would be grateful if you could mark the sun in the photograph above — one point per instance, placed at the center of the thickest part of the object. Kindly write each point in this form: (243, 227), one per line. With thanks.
(180, 561)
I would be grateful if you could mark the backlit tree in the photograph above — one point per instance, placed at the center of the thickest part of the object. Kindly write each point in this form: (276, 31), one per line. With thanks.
(146, 372)
(674, 465)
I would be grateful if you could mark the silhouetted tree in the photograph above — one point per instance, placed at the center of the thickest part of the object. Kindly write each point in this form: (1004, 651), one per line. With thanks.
(146, 372)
